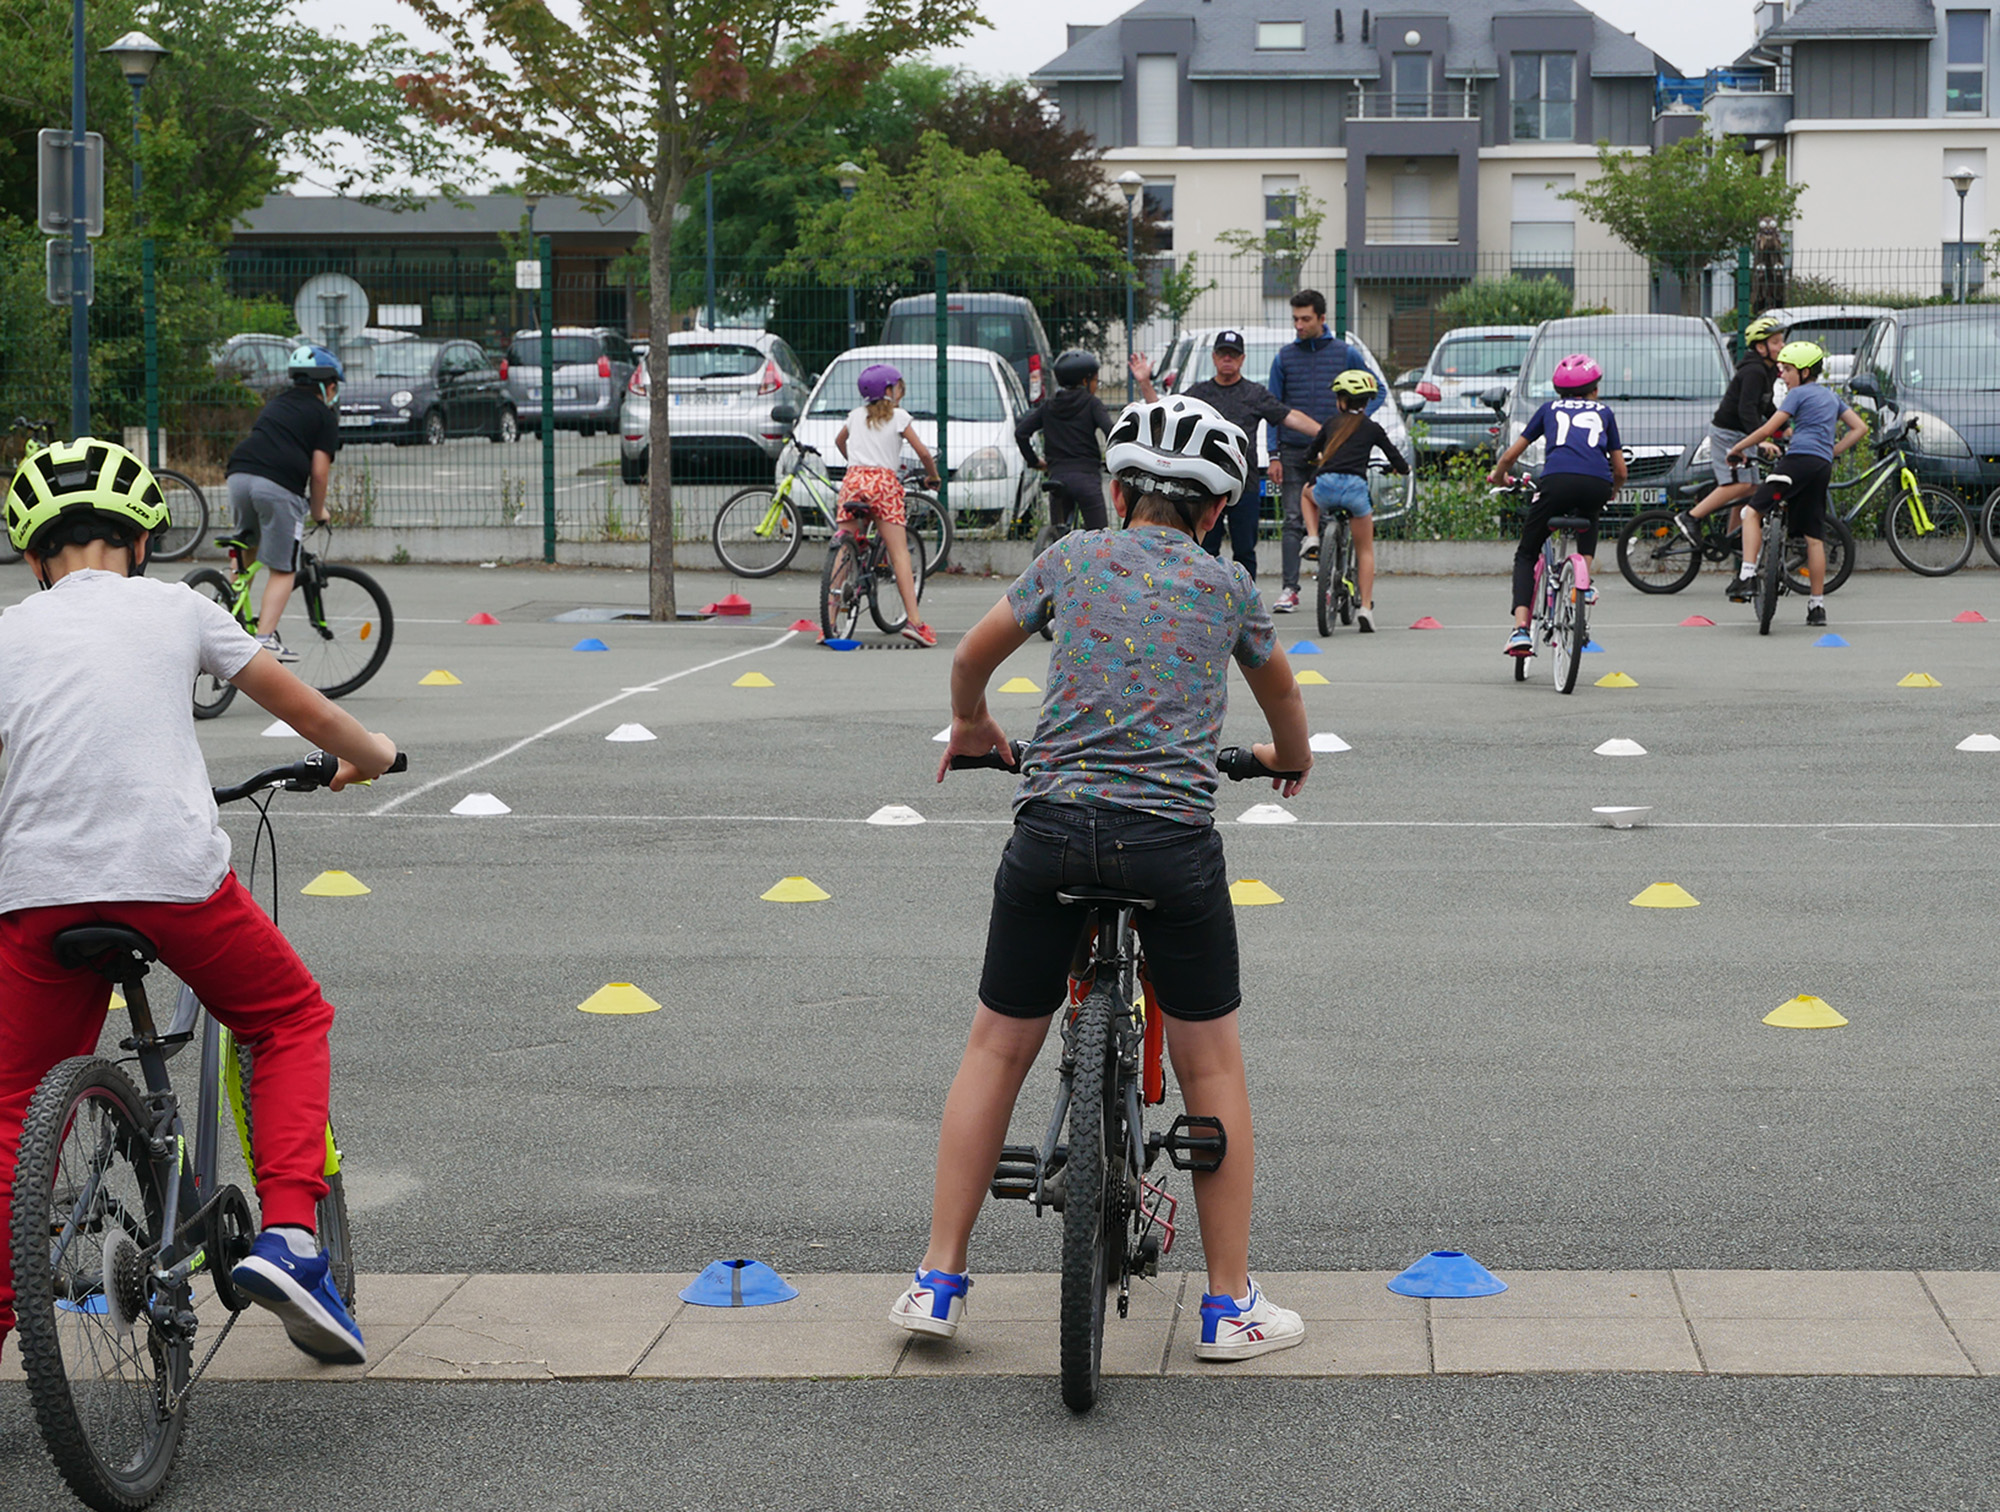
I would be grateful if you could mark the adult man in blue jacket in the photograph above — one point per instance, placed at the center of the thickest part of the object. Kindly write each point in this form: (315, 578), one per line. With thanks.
(1302, 377)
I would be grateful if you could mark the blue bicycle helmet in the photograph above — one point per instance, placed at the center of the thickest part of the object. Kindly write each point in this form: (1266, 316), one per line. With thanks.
(315, 364)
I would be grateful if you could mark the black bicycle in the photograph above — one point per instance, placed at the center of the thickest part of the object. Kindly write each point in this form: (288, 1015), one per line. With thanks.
(1656, 558)
(117, 1207)
(858, 571)
(1117, 1223)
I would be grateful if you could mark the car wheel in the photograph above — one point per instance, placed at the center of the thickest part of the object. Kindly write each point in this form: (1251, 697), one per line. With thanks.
(434, 431)
(509, 426)
(632, 469)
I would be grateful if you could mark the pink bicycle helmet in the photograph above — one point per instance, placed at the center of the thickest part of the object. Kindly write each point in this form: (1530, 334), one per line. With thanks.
(876, 380)
(1577, 372)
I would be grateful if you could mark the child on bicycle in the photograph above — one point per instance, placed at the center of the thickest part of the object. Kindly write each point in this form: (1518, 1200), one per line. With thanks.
(1118, 788)
(872, 442)
(1583, 465)
(1338, 464)
(1070, 420)
(106, 817)
(1801, 475)
(1746, 404)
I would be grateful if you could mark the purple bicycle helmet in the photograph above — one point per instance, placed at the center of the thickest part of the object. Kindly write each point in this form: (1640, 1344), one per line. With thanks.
(1577, 372)
(876, 380)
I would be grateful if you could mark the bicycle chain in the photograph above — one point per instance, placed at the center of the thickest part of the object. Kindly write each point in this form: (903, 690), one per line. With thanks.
(175, 1398)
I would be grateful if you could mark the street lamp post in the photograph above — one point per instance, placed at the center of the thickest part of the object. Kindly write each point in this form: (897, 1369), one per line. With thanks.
(850, 179)
(1961, 180)
(137, 55)
(1129, 185)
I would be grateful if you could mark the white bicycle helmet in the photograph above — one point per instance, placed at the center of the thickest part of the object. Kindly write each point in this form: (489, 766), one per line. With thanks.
(1180, 448)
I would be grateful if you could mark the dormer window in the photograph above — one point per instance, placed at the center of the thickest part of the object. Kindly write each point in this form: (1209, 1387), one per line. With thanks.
(1965, 62)
(1544, 97)
(1281, 36)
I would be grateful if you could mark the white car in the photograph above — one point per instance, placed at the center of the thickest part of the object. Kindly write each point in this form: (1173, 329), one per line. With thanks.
(991, 485)
(1835, 329)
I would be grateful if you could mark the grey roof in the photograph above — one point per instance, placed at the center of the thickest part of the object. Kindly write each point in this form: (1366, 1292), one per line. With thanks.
(1226, 40)
(483, 215)
(1853, 21)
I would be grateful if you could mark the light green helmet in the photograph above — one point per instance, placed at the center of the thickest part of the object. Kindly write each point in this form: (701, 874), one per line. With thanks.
(84, 477)
(1762, 329)
(1804, 356)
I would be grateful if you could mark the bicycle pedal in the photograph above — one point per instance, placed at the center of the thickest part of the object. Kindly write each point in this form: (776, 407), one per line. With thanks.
(1202, 1145)
(1018, 1173)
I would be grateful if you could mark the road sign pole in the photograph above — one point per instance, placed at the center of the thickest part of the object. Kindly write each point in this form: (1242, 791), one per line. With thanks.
(79, 233)
(548, 303)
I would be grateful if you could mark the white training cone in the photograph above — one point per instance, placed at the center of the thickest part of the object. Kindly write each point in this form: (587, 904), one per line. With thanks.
(631, 732)
(1970, 743)
(1621, 748)
(1624, 815)
(277, 729)
(1326, 742)
(942, 735)
(480, 805)
(895, 813)
(1267, 813)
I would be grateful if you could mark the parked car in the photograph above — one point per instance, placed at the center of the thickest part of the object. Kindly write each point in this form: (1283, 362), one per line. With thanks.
(593, 365)
(1835, 329)
(260, 361)
(1663, 377)
(1003, 323)
(1167, 374)
(1463, 365)
(722, 386)
(991, 486)
(428, 391)
(1940, 363)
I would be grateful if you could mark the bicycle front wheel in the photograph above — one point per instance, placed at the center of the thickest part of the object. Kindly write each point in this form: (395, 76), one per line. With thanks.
(885, 599)
(211, 694)
(336, 1240)
(840, 590)
(89, 1200)
(755, 535)
(1989, 525)
(1091, 1227)
(340, 623)
(1568, 640)
(1930, 532)
(924, 516)
(1654, 556)
(187, 517)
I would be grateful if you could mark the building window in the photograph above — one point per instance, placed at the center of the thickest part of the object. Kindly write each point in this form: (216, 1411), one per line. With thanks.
(1544, 97)
(1159, 100)
(1965, 62)
(1544, 231)
(1281, 36)
(1156, 206)
(1964, 269)
(1411, 79)
(1281, 265)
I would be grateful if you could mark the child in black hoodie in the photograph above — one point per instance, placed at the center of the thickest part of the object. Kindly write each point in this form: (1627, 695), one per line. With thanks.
(1071, 421)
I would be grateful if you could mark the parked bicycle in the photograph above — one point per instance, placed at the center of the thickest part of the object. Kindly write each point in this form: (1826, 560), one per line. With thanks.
(758, 529)
(338, 620)
(1560, 607)
(118, 1207)
(858, 571)
(1336, 549)
(1989, 525)
(187, 505)
(1092, 1165)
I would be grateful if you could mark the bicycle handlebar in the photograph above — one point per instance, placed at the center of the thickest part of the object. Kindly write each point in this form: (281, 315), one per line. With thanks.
(1237, 763)
(310, 772)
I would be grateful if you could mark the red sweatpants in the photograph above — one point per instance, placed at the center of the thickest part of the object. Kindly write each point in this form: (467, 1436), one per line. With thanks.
(248, 976)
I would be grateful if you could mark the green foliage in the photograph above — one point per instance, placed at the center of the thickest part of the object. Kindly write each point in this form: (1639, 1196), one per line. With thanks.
(1180, 288)
(1454, 502)
(1289, 243)
(1505, 301)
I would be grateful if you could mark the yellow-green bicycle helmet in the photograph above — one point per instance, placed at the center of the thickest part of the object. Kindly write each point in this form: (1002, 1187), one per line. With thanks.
(1356, 381)
(1762, 329)
(81, 483)
(1804, 356)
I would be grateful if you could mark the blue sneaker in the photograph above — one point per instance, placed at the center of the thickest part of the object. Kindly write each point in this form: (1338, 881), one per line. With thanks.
(1232, 1330)
(300, 1290)
(934, 1303)
(1520, 643)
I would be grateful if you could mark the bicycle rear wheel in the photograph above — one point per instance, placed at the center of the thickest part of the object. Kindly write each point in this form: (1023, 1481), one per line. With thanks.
(840, 590)
(1930, 534)
(89, 1201)
(1329, 576)
(1989, 525)
(885, 599)
(211, 694)
(1343, 582)
(1091, 1226)
(1654, 556)
(1839, 559)
(1770, 570)
(340, 623)
(754, 535)
(1567, 642)
(187, 517)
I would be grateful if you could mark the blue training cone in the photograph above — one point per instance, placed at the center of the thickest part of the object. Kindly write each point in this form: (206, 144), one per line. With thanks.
(1592, 647)
(1829, 639)
(841, 645)
(738, 1283)
(1447, 1273)
(590, 643)
(1304, 648)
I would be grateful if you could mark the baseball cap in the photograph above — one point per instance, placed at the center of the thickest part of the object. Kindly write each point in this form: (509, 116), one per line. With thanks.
(1229, 341)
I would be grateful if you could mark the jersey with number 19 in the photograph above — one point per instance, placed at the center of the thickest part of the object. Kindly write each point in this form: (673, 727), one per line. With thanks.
(1580, 436)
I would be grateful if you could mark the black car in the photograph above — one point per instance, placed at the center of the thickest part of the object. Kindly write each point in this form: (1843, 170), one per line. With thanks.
(1940, 363)
(428, 391)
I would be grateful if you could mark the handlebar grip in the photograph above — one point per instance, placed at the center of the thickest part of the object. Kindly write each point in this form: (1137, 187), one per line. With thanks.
(1008, 763)
(1240, 764)
(401, 763)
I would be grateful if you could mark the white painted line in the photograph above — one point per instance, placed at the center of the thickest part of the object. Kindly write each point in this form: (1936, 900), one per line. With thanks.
(563, 724)
(302, 816)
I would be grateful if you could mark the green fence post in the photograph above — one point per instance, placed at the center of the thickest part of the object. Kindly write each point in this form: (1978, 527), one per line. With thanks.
(1743, 311)
(943, 383)
(548, 303)
(1340, 292)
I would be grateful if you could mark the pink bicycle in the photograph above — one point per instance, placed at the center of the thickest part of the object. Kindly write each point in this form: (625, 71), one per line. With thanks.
(1563, 593)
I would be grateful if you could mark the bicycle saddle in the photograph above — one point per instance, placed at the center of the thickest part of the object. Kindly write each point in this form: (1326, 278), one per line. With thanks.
(230, 543)
(1571, 523)
(1101, 897)
(111, 950)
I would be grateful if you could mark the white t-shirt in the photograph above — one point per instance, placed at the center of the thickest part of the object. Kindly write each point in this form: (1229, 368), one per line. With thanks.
(106, 797)
(876, 445)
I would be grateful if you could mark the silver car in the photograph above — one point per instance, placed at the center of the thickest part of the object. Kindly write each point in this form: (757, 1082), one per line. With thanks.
(1463, 365)
(722, 386)
(592, 366)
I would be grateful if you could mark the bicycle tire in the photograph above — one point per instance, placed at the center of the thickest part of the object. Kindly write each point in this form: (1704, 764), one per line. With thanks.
(1989, 524)
(1089, 1225)
(1839, 545)
(1567, 643)
(923, 514)
(1520, 668)
(187, 517)
(336, 1236)
(885, 599)
(840, 590)
(1654, 556)
(1344, 587)
(1939, 551)
(339, 622)
(1327, 570)
(211, 694)
(740, 548)
(100, 1371)
(1770, 571)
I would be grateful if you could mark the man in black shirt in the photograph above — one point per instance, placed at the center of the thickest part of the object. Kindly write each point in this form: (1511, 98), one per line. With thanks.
(278, 473)
(1242, 402)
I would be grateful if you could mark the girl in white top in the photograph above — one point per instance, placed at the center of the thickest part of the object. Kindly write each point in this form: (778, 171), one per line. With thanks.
(872, 443)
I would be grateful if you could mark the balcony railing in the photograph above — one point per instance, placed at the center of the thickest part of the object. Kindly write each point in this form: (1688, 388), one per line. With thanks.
(1403, 105)
(1411, 230)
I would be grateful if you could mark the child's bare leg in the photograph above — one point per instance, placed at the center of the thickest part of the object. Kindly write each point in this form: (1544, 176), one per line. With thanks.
(1208, 1063)
(1310, 512)
(1363, 529)
(998, 1055)
(1718, 496)
(271, 609)
(899, 558)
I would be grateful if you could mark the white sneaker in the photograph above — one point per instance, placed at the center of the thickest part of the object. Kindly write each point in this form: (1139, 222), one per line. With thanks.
(934, 1304)
(1288, 600)
(278, 648)
(1230, 1331)
(1364, 619)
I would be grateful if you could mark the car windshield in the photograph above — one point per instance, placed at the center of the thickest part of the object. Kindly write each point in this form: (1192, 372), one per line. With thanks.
(975, 390)
(713, 361)
(398, 359)
(527, 350)
(995, 330)
(1685, 364)
(1954, 354)
(1481, 357)
(1837, 338)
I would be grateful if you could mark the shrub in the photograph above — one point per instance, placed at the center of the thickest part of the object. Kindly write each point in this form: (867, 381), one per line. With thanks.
(1505, 301)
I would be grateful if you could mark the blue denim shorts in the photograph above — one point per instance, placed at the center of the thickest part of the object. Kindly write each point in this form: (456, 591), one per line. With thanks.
(1189, 935)
(1345, 492)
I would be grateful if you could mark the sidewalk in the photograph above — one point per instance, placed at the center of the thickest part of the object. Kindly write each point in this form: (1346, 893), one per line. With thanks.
(598, 1327)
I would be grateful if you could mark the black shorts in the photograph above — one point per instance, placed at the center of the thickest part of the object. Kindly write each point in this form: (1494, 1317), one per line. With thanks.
(1801, 482)
(1189, 934)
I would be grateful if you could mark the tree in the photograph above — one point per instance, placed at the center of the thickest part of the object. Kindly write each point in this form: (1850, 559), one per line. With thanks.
(1505, 301)
(646, 96)
(1180, 288)
(1686, 206)
(1287, 244)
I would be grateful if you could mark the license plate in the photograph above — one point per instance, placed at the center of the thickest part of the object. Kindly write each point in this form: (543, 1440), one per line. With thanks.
(1641, 496)
(565, 393)
(357, 419)
(701, 398)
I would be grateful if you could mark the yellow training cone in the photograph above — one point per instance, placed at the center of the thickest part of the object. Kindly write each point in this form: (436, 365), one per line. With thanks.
(1616, 680)
(1250, 892)
(1919, 680)
(334, 884)
(796, 890)
(437, 679)
(1018, 685)
(1804, 1012)
(117, 1003)
(618, 997)
(1666, 895)
(1309, 679)
(753, 680)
